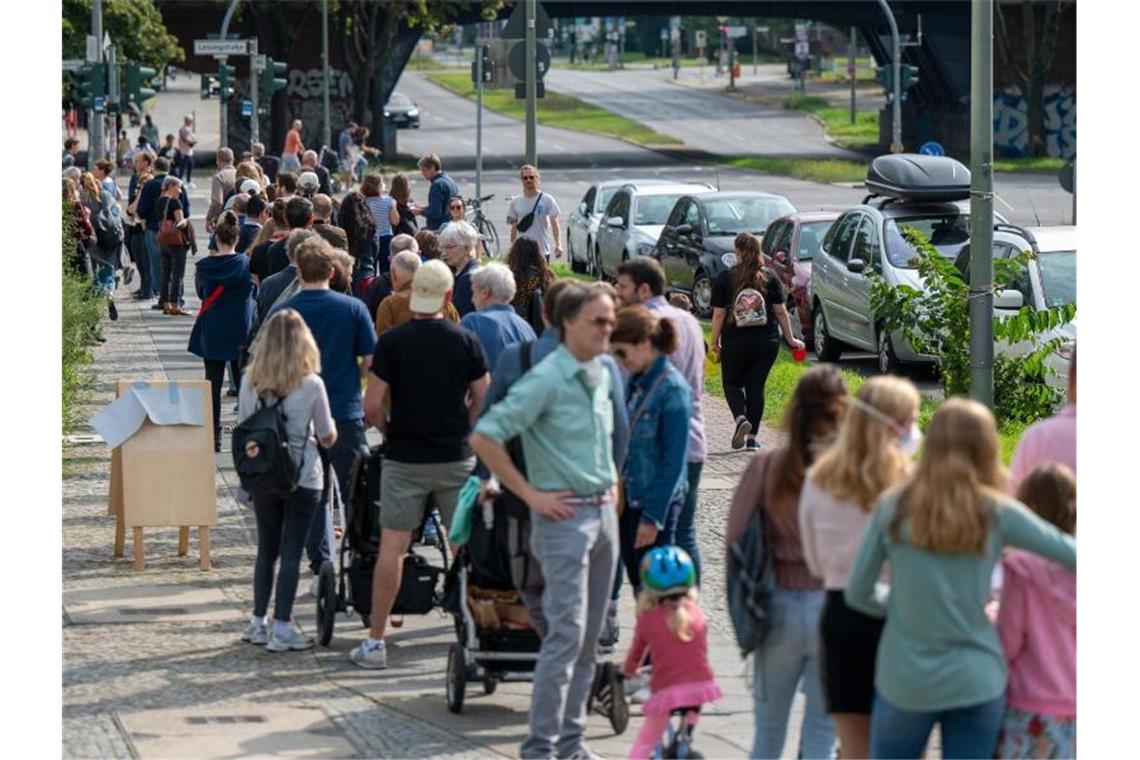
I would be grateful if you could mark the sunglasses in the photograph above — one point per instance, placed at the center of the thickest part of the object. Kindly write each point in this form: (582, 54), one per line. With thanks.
(528, 179)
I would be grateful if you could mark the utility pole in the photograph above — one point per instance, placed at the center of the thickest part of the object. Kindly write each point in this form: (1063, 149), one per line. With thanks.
(479, 48)
(755, 32)
(851, 71)
(326, 110)
(96, 143)
(223, 122)
(981, 203)
(896, 80)
(254, 76)
(531, 84)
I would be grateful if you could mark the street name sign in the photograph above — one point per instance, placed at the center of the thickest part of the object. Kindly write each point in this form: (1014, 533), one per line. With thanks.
(221, 47)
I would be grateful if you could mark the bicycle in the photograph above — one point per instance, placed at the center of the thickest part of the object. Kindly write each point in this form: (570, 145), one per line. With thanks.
(487, 231)
(678, 739)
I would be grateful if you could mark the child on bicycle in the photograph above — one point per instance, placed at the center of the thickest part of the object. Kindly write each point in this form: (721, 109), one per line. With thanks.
(671, 628)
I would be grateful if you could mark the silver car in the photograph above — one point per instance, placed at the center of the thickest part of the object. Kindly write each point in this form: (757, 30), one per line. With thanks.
(633, 221)
(582, 224)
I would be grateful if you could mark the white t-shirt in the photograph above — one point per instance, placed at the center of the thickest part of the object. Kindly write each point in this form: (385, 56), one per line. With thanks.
(539, 230)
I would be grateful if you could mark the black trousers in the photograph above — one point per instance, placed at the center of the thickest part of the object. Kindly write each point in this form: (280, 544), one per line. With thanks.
(744, 373)
(216, 374)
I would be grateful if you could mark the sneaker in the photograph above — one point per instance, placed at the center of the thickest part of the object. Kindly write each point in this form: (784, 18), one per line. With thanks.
(743, 428)
(370, 655)
(232, 392)
(256, 633)
(641, 696)
(112, 310)
(292, 639)
(752, 445)
(610, 628)
(584, 753)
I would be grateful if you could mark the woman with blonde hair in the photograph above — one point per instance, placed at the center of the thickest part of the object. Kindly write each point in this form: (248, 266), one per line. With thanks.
(285, 371)
(940, 659)
(870, 456)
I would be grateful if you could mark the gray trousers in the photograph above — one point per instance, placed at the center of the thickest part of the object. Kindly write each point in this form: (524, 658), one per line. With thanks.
(579, 556)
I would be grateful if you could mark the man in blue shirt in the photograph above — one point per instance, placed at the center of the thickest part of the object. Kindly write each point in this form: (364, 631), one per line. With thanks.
(495, 322)
(344, 333)
(459, 244)
(443, 189)
(150, 210)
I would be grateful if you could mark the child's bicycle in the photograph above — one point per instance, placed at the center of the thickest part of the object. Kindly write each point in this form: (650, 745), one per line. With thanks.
(678, 739)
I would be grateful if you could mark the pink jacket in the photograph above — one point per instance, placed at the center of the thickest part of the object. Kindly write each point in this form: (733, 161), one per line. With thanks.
(1037, 624)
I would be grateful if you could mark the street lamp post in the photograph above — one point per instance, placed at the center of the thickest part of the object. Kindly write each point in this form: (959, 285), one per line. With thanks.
(896, 80)
(531, 84)
(981, 308)
(326, 110)
(96, 146)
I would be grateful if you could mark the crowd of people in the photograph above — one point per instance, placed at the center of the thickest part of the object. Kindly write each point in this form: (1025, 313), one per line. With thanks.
(583, 402)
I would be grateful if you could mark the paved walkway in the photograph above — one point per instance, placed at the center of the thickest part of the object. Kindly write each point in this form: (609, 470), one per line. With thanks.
(152, 662)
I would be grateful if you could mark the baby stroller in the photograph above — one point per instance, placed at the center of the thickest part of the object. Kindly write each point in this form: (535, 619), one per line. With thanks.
(496, 640)
(348, 588)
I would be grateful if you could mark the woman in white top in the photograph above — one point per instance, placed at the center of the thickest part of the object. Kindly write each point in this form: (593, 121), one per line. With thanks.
(384, 214)
(871, 455)
(285, 370)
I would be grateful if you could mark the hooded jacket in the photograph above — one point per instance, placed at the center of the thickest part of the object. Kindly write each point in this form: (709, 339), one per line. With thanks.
(1037, 624)
(223, 324)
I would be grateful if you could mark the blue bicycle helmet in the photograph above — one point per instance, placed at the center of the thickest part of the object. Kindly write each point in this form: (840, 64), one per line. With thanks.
(668, 570)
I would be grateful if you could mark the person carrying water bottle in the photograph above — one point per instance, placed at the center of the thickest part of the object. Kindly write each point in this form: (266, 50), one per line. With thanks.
(671, 628)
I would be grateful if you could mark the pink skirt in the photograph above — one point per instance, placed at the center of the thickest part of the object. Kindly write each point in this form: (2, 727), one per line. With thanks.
(692, 694)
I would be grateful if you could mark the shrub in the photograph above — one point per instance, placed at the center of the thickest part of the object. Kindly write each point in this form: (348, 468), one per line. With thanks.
(83, 308)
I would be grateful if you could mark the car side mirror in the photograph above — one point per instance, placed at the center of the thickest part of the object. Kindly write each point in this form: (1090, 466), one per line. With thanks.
(1009, 299)
(582, 208)
(615, 221)
(684, 229)
(856, 266)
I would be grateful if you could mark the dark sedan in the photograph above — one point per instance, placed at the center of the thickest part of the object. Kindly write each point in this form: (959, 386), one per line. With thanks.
(402, 111)
(697, 242)
(790, 243)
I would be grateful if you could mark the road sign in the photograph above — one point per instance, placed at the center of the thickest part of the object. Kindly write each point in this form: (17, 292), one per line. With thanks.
(515, 28)
(516, 60)
(72, 64)
(259, 62)
(700, 38)
(737, 31)
(221, 47)
(92, 48)
(100, 103)
(932, 149)
(247, 108)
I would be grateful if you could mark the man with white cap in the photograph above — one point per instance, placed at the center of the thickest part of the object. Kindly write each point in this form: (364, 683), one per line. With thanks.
(435, 375)
(308, 184)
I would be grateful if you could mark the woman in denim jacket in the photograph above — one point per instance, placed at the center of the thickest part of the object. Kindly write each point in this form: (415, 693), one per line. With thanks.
(660, 404)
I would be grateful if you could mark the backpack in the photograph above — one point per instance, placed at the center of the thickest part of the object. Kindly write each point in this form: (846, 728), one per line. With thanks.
(750, 578)
(108, 228)
(261, 453)
(749, 309)
(506, 501)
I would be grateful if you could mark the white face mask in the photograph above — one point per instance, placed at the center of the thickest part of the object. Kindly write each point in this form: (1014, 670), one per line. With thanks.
(911, 441)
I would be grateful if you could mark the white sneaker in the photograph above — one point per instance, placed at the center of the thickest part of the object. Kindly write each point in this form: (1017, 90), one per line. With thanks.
(292, 639)
(256, 633)
(369, 655)
(641, 696)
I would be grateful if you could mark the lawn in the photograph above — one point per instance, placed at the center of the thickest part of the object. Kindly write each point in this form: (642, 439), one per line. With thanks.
(862, 134)
(813, 169)
(1037, 165)
(556, 110)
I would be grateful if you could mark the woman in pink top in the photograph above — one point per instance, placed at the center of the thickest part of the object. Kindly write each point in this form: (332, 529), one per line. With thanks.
(1037, 624)
(671, 628)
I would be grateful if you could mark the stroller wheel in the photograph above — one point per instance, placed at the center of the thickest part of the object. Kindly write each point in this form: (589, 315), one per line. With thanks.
(456, 678)
(326, 602)
(489, 685)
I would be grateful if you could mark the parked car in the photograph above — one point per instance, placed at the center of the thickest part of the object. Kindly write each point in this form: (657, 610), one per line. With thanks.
(633, 221)
(582, 224)
(792, 243)
(696, 243)
(402, 111)
(926, 193)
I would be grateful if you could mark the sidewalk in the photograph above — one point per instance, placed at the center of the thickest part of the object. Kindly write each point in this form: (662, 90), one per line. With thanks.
(152, 662)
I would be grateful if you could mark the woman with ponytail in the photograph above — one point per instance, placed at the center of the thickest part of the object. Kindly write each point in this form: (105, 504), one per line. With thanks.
(225, 287)
(660, 405)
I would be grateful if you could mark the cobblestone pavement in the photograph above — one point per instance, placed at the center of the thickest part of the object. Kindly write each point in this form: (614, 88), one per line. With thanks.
(152, 661)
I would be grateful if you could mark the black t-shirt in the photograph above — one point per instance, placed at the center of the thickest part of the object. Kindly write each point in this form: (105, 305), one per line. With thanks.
(750, 315)
(269, 165)
(429, 364)
(379, 289)
(276, 258)
(259, 260)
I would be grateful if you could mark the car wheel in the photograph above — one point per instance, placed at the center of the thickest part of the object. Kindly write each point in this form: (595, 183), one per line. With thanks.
(888, 360)
(702, 295)
(599, 270)
(827, 348)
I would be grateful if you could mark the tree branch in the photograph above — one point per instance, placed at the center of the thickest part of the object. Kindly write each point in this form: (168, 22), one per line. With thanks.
(1006, 51)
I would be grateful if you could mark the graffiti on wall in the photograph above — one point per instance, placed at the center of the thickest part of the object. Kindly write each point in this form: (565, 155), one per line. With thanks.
(305, 91)
(1011, 122)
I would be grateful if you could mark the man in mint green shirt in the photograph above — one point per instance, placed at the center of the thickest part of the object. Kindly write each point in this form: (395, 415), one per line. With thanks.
(561, 410)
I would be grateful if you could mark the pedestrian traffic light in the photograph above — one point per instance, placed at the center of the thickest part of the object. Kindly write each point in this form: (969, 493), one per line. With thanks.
(91, 85)
(210, 87)
(226, 81)
(271, 82)
(135, 77)
(908, 74)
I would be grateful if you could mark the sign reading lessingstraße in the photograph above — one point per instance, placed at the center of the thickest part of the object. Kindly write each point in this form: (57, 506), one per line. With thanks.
(221, 47)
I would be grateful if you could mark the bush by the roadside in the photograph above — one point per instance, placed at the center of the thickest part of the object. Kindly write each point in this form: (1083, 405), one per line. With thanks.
(83, 308)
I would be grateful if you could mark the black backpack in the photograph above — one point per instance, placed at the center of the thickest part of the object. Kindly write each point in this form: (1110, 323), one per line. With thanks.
(749, 578)
(261, 453)
(506, 501)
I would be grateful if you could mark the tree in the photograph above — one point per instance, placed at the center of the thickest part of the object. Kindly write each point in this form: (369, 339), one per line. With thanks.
(135, 26)
(1029, 74)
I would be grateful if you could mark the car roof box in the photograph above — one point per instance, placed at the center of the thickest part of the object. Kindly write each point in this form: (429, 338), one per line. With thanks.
(916, 177)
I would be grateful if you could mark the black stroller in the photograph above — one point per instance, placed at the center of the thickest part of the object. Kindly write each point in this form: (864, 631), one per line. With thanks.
(496, 639)
(348, 588)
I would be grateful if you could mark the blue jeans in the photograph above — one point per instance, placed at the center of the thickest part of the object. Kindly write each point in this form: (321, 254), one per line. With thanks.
(185, 169)
(687, 519)
(350, 443)
(105, 278)
(281, 526)
(790, 653)
(141, 255)
(154, 264)
(630, 557)
(967, 732)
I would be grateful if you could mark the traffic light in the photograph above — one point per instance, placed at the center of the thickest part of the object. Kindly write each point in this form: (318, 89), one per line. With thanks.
(884, 75)
(271, 82)
(91, 86)
(210, 87)
(488, 67)
(134, 79)
(908, 76)
(226, 81)
(908, 73)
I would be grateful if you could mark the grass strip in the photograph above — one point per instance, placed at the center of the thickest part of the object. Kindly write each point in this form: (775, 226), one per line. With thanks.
(556, 110)
(1032, 164)
(862, 134)
(813, 169)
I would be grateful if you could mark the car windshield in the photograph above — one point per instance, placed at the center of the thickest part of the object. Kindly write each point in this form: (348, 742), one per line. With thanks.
(399, 100)
(1058, 277)
(947, 233)
(811, 235)
(731, 217)
(654, 209)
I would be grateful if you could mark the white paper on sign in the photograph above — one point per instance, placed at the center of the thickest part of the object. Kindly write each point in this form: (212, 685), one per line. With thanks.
(119, 420)
(164, 406)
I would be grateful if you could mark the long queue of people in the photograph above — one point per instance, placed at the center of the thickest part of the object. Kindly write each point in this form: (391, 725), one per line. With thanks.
(601, 388)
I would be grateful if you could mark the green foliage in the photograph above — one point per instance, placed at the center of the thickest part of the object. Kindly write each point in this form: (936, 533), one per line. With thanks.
(135, 26)
(83, 308)
(937, 322)
(862, 134)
